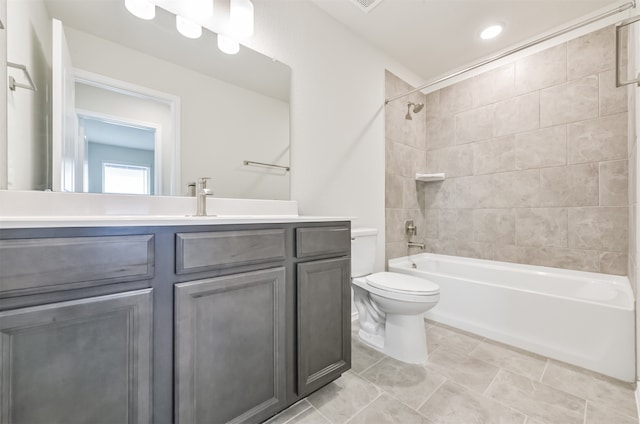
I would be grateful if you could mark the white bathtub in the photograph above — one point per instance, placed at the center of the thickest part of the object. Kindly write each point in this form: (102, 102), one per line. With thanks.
(581, 318)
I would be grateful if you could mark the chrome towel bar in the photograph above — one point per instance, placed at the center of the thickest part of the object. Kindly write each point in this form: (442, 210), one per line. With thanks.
(625, 23)
(12, 82)
(268, 165)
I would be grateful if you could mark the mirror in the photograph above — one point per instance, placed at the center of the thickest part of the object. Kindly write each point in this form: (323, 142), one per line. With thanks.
(142, 105)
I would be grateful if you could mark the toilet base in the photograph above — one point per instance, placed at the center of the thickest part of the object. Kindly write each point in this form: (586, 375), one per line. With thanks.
(404, 338)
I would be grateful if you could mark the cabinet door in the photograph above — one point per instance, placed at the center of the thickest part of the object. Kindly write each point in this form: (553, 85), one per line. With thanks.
(83, 361)
(324, 333)
(230, 348)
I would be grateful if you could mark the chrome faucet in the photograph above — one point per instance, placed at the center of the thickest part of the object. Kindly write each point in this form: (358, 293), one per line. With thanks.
(201, 196)
(414, 244)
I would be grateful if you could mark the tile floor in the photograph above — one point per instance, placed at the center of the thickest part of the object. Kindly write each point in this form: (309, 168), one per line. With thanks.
(468, 379)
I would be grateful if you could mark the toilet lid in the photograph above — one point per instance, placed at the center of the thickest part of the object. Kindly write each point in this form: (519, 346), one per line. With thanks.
(394, 282)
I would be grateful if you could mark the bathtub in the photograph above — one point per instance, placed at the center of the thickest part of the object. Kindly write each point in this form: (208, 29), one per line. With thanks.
(582, 318)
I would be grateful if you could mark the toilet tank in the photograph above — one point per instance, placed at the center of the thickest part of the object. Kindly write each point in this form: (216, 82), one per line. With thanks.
(363, 251)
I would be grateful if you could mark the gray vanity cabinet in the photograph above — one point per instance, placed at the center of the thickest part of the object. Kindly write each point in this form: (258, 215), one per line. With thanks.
(230, 344)
(323, 306)
(80, 361)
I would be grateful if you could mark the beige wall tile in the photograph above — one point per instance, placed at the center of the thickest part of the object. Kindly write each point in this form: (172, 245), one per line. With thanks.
(440, 132)
(494, 226)
(600, 228)
(472, 249)
(518, 189)
(612, 99)
(517, 115)
(457, 97)
(394, 225)
(431, 224)
(591, 53)
(432, 107)
(613, 263)
(613, 183)
(598, 139)
(474, 125)
(396, 249)
(541, 70)
(442, 247)
(571, 185)
(573, 101)
(580, 260)
(510, 253)
(439, 195)
(494, 85)
(454, 161)
(394, 190)
(541, 148)
(456, 224)
(413, 195)
(496, 155)
(541, 227)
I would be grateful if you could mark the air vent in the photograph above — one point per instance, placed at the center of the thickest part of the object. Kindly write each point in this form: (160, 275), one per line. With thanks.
(366, 5)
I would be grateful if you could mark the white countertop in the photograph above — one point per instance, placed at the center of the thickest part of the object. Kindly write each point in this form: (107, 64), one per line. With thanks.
(33, 209)
(147, 221)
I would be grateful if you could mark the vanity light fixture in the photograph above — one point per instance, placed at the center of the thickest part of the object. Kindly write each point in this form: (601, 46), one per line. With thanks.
(491, 32)
(187, 27)
(228, 45)
(142, 9)
(241, 18)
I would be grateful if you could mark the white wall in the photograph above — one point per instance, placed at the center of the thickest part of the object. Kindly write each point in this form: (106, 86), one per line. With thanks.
(337, 111)
(3, 97)
(28, 43)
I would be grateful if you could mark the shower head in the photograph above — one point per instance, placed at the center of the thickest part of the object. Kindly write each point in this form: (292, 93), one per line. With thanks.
(417, 107)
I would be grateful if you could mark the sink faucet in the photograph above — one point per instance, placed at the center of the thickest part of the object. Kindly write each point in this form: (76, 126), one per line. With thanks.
(201, 196)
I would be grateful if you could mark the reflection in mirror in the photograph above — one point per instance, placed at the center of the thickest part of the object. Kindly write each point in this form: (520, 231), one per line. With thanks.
(202, 113)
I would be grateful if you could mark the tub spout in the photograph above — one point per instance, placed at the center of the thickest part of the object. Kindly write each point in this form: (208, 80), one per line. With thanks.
(413, 244)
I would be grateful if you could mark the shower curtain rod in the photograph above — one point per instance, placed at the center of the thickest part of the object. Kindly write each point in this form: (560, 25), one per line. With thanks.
(499, 56)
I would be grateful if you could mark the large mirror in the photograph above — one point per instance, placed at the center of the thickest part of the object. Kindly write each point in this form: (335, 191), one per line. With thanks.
(125, 105)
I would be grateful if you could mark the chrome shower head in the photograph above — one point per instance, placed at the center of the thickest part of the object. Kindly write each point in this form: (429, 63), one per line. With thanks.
(417, 107)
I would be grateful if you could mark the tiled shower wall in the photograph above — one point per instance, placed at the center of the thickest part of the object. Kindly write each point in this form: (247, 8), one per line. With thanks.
(535, 157)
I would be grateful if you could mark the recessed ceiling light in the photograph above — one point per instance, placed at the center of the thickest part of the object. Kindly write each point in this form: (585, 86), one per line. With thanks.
(491, 32)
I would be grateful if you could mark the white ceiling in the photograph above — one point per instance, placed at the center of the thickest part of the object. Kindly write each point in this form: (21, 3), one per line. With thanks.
(433, 37)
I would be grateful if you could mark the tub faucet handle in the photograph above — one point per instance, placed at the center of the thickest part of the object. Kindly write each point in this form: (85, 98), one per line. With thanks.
(409, 228)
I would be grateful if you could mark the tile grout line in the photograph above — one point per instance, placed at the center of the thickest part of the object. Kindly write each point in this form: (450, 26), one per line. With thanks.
(484, 392)
(380, 392)
(298, 414)
(321, 414)
(429, 397)
(586, 404)
(544, 371)
(361, 373)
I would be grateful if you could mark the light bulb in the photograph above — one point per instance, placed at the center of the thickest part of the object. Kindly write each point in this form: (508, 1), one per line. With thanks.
(491, 32)
(142, 9)
(227, 45)
(241, 18)
(187, 27)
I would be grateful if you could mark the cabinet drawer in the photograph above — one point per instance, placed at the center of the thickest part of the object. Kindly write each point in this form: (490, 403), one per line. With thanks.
(29, 266)
(197, 252)
(315, 241)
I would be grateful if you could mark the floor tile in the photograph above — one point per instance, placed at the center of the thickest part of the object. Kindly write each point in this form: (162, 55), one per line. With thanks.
(512, 359)
(454, 404)
(310, 416)
(411, 384)
(387, 410)
(463, 369)
(363, 356)
(536, 400)
(439, 335)
(602, 391)
(340, 400)
(289, 413)
(596, 415)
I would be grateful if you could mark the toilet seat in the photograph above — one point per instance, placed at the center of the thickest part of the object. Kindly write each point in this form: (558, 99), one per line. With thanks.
(401, 283)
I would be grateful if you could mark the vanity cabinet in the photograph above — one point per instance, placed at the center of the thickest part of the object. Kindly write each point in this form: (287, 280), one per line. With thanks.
(230, 344)
(82, 361)
(182, 324)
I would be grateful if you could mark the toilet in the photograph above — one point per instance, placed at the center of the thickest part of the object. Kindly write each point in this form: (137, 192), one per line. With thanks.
(390, 305)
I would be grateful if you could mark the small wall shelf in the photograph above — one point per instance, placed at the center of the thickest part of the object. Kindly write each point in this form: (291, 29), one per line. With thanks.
(430, 177)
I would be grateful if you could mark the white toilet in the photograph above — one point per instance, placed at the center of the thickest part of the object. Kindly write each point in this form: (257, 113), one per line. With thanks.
(390, 305)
